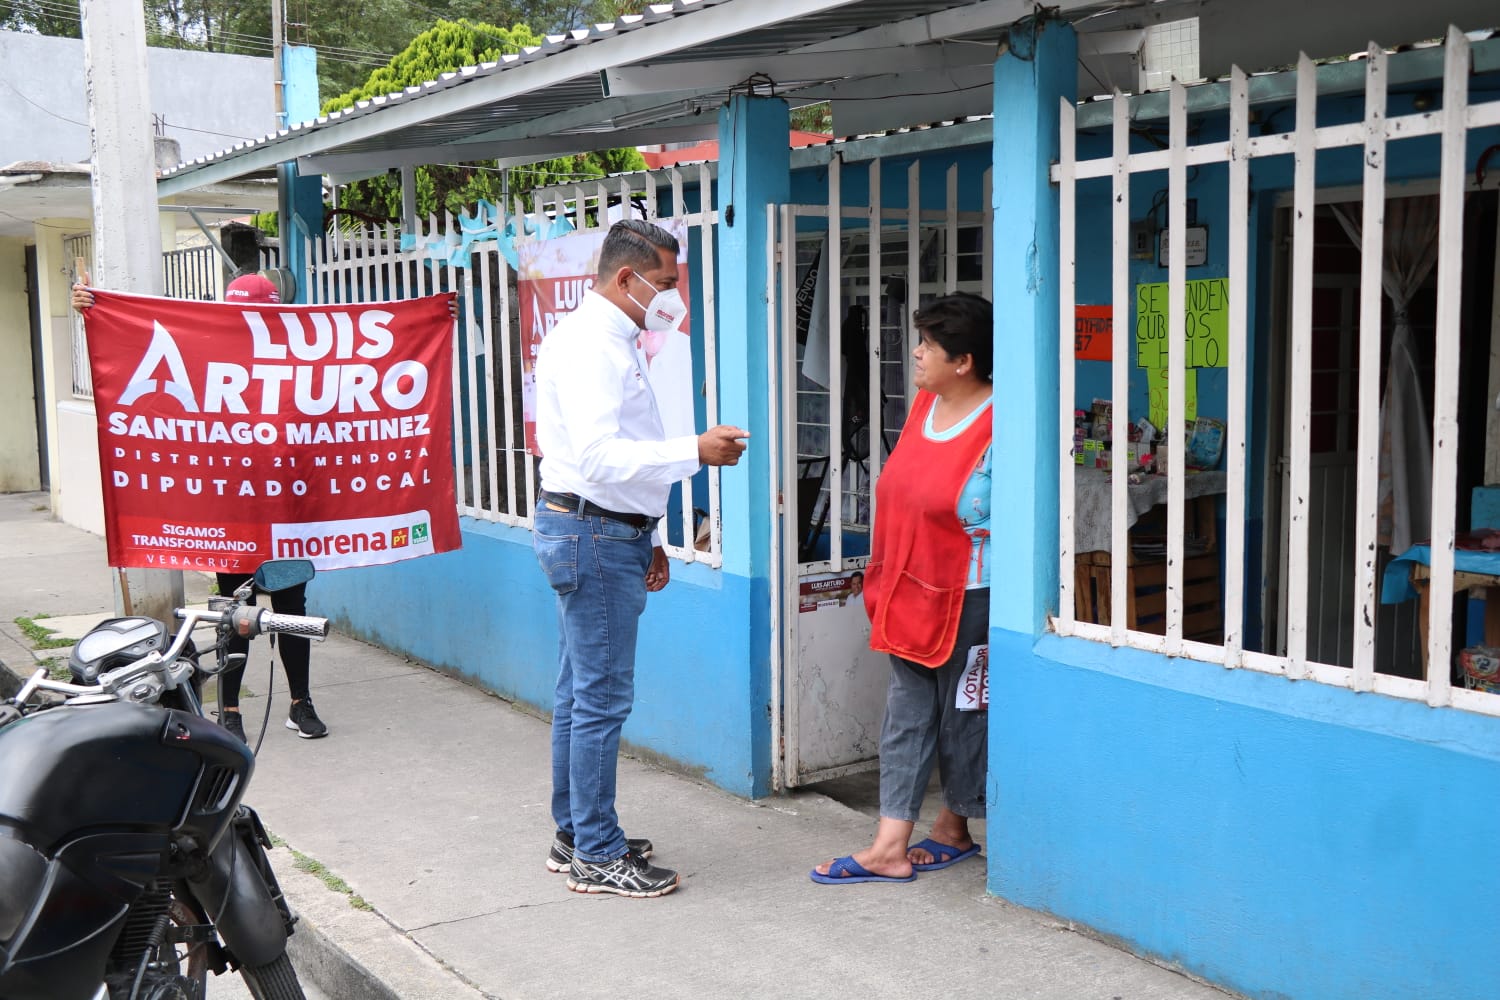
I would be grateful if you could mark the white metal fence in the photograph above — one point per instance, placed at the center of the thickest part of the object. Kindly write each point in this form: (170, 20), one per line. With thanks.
(495, 476)
(1452, 125)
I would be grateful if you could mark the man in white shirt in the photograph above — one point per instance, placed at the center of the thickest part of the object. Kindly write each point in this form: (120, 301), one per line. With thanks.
(607, 469)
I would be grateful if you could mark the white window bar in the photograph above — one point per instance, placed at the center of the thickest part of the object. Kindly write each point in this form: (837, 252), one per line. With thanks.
(1445, 365)
(510, 366)
(475, 365)
(685, 487)
(1300, 376)
(780, 484)
(710, 231)
(1176, 359)
(528, 460)
(913, 258)
(1235, 454)
(1122, 327)
(1067, 363)
(486, 257)
(987, 234)
(835, 363)
(1372, 300)
(950, 283)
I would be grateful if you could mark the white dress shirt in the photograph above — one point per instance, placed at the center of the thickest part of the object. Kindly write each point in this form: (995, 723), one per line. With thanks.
(596, 419)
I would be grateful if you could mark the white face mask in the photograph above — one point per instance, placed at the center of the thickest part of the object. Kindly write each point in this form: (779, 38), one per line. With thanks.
(666, 310)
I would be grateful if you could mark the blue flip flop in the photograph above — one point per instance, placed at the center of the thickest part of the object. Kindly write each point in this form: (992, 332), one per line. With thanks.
(856, 872)
(937, 850)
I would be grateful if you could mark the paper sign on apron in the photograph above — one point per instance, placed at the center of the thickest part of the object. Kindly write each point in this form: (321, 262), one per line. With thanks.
(974, 686)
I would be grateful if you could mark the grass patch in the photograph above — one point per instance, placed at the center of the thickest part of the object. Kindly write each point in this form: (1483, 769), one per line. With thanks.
(57, 669)
(320, 871)
(40, 635)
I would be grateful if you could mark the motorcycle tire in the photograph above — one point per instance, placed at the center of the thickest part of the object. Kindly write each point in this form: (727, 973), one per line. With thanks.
(274, 981)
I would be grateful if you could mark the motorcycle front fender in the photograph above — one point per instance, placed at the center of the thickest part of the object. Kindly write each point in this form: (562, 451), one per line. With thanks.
(233, 891)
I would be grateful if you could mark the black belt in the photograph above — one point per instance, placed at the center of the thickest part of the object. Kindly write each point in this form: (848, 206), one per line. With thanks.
(577, 505)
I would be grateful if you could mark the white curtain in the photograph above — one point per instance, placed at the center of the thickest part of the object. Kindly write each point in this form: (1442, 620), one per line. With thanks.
(1410, 253)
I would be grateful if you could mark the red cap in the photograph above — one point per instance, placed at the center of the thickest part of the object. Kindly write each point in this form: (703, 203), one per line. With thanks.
(251, 288)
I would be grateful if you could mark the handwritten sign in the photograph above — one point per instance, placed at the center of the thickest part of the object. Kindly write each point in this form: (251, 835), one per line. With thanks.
(1093, 333)
(1207, 324)
(1156, 388)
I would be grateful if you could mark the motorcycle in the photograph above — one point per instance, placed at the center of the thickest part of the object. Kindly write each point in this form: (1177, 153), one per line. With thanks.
(129, 867)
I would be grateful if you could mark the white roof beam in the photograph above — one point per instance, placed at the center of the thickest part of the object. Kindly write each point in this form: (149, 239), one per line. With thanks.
(952, 23)
(512, 152)
(787, 70)
(590, 114)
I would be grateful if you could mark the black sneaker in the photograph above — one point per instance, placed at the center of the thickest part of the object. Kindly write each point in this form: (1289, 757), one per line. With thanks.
(232, 722)
(560, 858)
(304, 721)
(628, 875)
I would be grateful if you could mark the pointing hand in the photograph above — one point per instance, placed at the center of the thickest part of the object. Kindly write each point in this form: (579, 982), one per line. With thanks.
(721, 445)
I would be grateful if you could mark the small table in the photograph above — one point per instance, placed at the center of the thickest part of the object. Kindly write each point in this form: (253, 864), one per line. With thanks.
(1093, 492)
(1146, 578)
(1473, 570)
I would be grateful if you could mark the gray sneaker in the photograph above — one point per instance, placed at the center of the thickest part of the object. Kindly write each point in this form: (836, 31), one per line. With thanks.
(560, 857)
(628, 875)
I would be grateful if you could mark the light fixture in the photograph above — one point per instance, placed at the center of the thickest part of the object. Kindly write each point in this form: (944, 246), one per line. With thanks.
(647, 116)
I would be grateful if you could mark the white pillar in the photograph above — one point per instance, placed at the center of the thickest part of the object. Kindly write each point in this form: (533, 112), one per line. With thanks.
(127, 233)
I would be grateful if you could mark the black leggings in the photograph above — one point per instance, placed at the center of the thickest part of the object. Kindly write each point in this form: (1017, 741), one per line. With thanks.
(294, 649)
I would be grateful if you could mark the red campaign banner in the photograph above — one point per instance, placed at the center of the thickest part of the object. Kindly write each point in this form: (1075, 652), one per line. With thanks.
(230, 434)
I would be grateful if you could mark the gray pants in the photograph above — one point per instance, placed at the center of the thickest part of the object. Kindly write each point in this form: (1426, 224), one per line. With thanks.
(922, 726)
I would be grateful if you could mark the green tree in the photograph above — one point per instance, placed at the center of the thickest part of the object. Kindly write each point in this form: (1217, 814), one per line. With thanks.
(40, 17)
(443, 48)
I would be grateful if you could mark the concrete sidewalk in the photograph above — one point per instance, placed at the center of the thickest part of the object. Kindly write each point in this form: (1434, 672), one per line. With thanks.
(430, 800)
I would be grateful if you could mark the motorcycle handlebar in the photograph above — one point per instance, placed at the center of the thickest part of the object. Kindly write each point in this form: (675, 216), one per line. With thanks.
(303, 625)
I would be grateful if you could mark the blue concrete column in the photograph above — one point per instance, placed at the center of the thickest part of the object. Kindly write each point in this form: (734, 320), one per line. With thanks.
(299, 199)
(1036, 69)
(754, 171)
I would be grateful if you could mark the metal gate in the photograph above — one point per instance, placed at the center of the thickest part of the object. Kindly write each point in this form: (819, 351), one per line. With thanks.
(844, 281)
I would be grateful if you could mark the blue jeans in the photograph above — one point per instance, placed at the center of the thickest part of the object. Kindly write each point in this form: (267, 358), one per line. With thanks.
(598, 568)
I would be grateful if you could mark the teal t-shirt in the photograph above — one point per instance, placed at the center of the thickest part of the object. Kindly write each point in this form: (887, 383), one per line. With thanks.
(974, 499)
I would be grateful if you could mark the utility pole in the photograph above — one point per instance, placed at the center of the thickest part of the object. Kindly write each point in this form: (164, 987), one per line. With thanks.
(127, 233)
(278, 31)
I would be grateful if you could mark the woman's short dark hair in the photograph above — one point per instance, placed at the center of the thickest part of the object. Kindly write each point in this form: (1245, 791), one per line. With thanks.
(961, 323)
(636, 244)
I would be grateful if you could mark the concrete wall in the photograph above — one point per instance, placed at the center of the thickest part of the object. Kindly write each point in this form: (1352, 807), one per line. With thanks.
(210, 101)
(485, 613)
(19, 469)
(1286, 839)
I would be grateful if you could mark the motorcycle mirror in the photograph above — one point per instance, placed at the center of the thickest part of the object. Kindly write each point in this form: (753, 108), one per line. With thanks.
(283, 574)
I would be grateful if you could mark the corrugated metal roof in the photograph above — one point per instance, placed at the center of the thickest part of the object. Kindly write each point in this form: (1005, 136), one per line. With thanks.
(780, 28)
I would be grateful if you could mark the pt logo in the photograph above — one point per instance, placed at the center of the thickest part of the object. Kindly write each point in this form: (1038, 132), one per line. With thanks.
(419, 533)
(398, 538)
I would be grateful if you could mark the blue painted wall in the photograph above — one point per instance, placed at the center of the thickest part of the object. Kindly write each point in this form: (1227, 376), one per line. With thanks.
(485, 613)
(1284, 839)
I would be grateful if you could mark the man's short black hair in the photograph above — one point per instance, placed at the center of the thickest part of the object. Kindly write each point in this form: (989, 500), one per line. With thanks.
(636, 244)
(961, 323)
